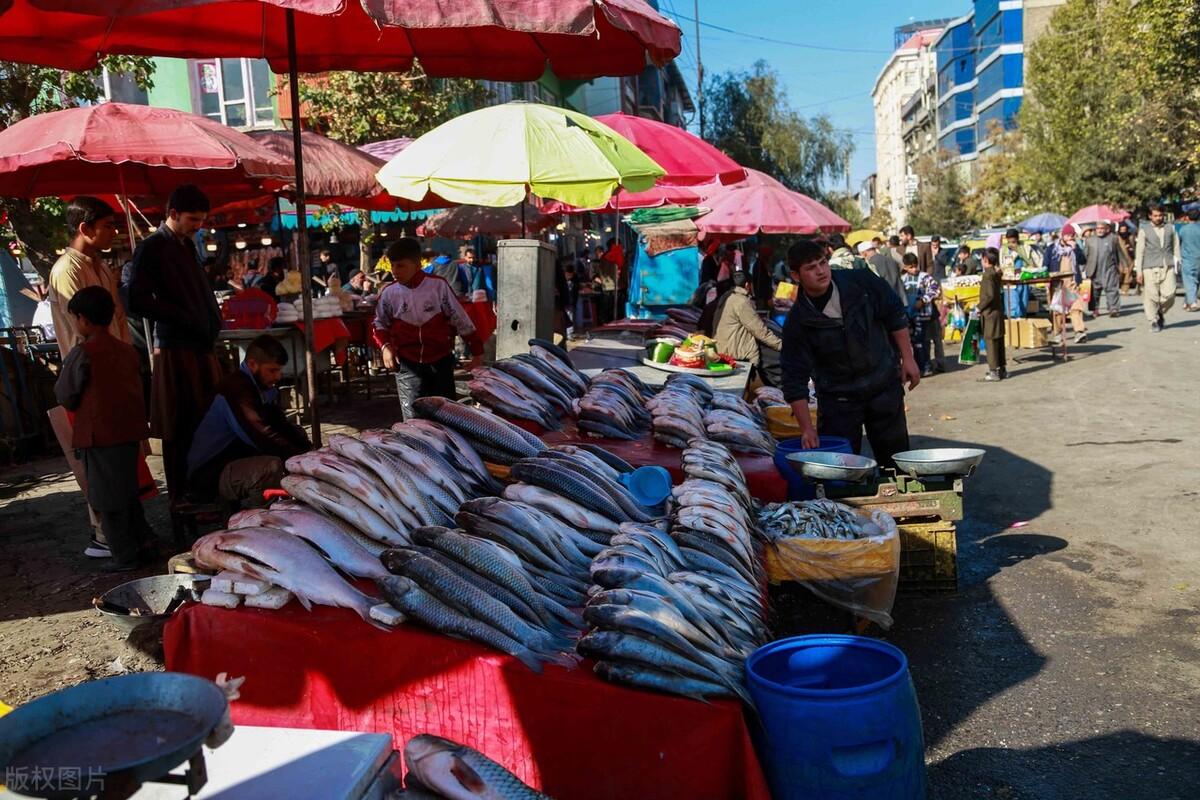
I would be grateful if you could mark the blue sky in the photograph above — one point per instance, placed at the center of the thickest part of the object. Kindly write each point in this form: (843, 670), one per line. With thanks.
(817, 80)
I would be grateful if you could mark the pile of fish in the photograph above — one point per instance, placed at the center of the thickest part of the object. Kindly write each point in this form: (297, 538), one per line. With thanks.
(677, 411)
(469, 586)
(493, 438)
(735, 422)
(439, 769)
(680, 611)
(539, 386)
(767, 396)
(614, 406)
(814, 519)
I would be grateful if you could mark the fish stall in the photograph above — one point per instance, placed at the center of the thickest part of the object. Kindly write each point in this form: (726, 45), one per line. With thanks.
(402, 588)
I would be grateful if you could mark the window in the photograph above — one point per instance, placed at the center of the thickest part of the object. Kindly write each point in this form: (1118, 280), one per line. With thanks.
(118, 87)
(235, 92)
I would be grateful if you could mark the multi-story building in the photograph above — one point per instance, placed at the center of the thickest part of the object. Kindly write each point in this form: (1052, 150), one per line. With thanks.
(981, 73)
(866, 196)
(238, 92)
(905, 75)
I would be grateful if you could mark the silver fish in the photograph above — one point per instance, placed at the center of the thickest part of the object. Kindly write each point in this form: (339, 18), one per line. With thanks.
(565, 509)
(349, 476)
(350, 551)
(344, 506)
(458, 772)
(391, 473)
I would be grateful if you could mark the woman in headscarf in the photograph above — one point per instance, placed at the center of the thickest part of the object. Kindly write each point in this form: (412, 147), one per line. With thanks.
(1066, 255)
(1125, 249)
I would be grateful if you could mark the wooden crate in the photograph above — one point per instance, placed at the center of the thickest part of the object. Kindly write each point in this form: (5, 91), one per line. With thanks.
(928, 556)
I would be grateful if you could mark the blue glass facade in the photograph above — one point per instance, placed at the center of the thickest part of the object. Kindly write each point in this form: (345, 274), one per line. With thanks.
(980, 64)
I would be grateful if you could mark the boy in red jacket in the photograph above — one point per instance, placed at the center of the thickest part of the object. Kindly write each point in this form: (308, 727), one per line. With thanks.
(101, 382)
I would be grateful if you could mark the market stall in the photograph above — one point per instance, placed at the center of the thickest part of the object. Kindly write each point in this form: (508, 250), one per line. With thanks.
(565, 732)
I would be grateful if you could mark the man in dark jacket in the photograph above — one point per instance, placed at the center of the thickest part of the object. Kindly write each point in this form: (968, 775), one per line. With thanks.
(848, 332)
(245, 437)
(167, 285)
(991, 315)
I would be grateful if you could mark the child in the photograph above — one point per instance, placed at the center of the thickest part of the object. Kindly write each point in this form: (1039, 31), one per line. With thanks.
(101, 382)
(991, 315)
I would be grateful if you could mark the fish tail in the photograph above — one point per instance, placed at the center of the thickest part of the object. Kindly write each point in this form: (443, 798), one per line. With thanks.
(565, 660)
(531, 659)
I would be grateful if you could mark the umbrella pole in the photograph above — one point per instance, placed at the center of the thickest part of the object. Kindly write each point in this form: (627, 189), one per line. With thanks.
(619, 267)
(146, 329)
(310, 364)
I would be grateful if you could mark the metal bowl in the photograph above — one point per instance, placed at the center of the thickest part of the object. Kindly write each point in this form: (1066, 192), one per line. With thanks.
(147, 601)
(833, 466)
(108, 733)
(946, 461)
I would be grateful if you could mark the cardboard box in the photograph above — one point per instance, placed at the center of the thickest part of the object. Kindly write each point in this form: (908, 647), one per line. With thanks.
(1035, 333)
(1012, 334)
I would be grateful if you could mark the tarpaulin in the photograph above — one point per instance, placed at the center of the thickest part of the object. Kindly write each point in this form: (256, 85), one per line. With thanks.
(762, 478)
(565, 732)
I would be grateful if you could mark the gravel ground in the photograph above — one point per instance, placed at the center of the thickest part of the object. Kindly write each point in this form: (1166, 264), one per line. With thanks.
(1066, 666)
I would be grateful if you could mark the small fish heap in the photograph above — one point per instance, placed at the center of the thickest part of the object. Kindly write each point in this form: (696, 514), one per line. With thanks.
(439, 769)
(540, 386)
(767, 396)
(679, 612)
(814, 519)
(735, 422)
(614, 406)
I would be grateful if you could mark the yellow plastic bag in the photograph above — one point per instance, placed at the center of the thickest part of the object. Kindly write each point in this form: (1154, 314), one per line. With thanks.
(859, 575)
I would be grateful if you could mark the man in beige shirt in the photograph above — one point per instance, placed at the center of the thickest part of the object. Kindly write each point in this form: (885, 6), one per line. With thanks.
(92, 223)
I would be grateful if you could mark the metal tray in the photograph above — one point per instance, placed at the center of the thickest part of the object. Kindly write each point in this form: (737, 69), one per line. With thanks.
(704, 373)
(951, 461)
(120, 731)
(153, 598)
(833, 466)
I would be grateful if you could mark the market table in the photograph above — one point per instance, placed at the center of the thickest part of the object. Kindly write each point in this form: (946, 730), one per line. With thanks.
(762, 477)
(566, 732)
(598, 354)
(1049, 280)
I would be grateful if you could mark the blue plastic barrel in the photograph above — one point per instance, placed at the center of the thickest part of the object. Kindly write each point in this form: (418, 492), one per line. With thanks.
(798, 488)
(839, 719)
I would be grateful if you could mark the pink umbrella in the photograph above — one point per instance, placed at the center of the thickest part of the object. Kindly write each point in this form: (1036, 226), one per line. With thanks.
(464, 222)
(688, 159)
(337, 173)
(387, 149)
(750, 210)
(660, 195)
(1093, 214)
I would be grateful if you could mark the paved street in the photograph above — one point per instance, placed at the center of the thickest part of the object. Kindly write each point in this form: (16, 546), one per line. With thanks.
(1068, 664)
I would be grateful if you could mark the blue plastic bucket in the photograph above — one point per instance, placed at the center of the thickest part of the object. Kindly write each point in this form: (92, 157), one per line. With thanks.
(798, 488)
(839, 719)
(648, 485)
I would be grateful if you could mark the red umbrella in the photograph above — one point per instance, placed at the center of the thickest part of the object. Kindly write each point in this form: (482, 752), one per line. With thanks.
(1093, 214)
(387, 149)
(507, 40)
(465, 222)
(827, 220)
(335, 172)
(660, 195)
(750, 210)
(688, 159)
(133, 150)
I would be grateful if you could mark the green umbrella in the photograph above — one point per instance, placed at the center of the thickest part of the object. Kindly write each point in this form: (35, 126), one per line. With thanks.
(497, 156)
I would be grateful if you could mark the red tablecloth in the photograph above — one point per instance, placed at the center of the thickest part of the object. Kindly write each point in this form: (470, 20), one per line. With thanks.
(762, 477)
(565, 732)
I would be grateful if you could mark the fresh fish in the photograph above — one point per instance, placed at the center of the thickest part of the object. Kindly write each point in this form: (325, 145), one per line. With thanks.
(616, 462)
(634, 510)
(391, 472)
(645, 677)
(440, 501)
(407, 596)
(297, 518)
(464, 454)
(554, 538)
(467, 599)
(479, 426)
(344, 506)
(511, 405)
(616, 646)
(585, 458)
(561, 356)
(603, 430)
(567, 387)
(582, 519)
(536, 380)
(550, 475)
(667, 613)
(284, 560)
(607, 616)
(457, 772)
(555, 357)
(331, 539)
(488, 528)
(350, 477)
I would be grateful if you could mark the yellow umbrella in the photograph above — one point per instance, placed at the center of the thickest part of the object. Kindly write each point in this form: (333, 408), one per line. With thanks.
(854, 237)
(499, 155)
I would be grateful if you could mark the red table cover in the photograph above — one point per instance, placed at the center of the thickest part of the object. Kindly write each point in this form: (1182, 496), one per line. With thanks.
(762, 477)
(565, 732)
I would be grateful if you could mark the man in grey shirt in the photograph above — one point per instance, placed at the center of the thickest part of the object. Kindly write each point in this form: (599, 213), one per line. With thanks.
(1157, 257)
(1103, 269)
(882, 265)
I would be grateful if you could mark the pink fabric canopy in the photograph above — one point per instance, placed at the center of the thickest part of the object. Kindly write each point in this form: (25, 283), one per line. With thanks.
(133, 150)
(333, 172)
(464, 222)
(387, 149)
(750, 210)
(688, 159)
(660, 195)
(1093, 214)
(513, 40)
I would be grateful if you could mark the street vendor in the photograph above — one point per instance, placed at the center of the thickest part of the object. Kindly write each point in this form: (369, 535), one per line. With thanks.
(416, 319)
(244, 438)
(741, 333)
(848, 332)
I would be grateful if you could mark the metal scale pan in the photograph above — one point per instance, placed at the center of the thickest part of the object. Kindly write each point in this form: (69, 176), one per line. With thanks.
(847, 467)
(948, 462)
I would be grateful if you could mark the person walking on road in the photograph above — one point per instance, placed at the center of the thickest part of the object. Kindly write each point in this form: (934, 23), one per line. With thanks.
(1066, 255)
(882, 265)
(1189, 257)
(1104, 268)
(1125, 256)
(934, 259)
(1158, 251)
(991, 315)
(922, 295)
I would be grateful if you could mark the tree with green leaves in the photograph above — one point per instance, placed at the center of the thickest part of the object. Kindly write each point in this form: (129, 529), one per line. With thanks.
(1005, 191)
(846, 206)
(26, 90)
(880, 219)
(747, 114)
(939, 206)
(360, 107)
